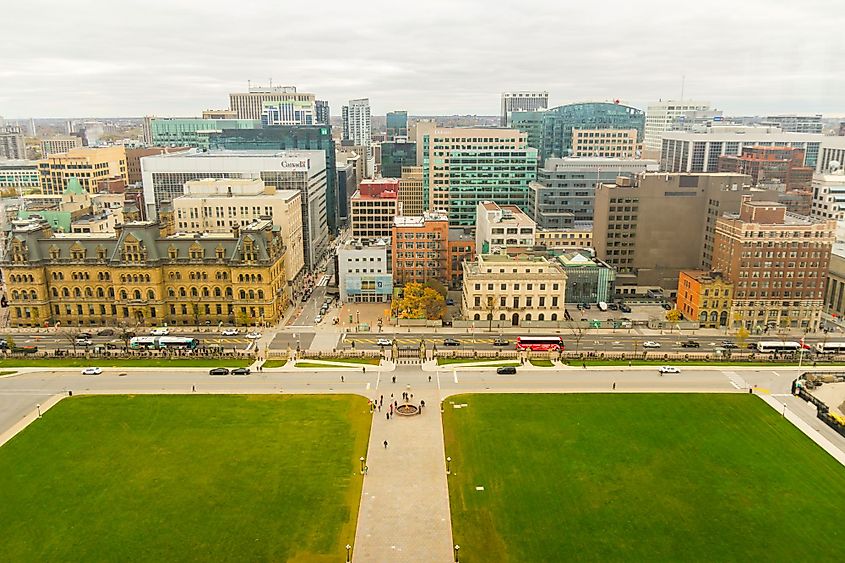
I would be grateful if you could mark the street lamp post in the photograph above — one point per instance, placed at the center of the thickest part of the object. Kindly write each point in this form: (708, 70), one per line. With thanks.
(448, 466)
(457, 547)
(348, 548)
(362, 465)
(38, 408)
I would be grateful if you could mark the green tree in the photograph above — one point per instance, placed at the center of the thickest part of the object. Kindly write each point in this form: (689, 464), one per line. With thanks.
(419, 302)
(10, 342)
(437, 286)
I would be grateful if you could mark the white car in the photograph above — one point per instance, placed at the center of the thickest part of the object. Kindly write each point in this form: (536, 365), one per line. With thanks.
(253, 335)
(384, 342)
(318, 318)
(230, 332)
(651, 344)
(92, 371)
(159, 332)
(668, 369)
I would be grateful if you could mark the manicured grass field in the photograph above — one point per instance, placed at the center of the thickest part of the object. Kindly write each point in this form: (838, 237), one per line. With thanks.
(273, 364)
(541, 363)
(123, 362)
(185, 478)
(638, 478)
(485, 361)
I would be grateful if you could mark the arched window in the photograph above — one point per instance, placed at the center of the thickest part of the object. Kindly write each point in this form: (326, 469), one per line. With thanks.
(242, 294)
(261, 294)
(554, 316)
(111, 293)
(477, 317)
(147, 278)
(100, 292)
(123, 294)
(55, 292)
(251, 295)
(229, 292)
(171, 292)
(541, 317)
(65, 292)
(14, 294)
(151, 294)
(260, 277)
(194, 292)
(217, 292)
(702, 317)
(528, 317)
(205, 292)
(89, 292)
(723, 319)
(240, 277)
(714, 316)
(502, 317)
(77, 292)
(182, 292)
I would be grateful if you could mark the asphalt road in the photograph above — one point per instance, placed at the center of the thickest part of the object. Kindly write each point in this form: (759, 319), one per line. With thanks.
(60, 342)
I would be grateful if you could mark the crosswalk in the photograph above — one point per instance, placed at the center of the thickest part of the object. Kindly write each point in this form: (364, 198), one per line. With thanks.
(324, 281)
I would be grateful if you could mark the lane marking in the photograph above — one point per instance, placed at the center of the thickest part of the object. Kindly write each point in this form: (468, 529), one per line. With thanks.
(455, 374)
(378, 379)
(368, 386)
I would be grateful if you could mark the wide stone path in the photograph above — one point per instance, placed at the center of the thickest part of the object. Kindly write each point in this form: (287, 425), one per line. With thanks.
(404, 513)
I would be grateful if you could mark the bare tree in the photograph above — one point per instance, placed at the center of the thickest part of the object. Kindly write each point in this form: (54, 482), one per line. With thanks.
(579, 331)
(70, 334)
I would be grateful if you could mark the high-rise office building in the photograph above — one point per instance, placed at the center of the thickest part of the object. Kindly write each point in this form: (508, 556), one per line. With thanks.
(288, 137)
(522, 101)
(357, 124)
(250, 104)
(322, 112)
(464, 166)
(411, 190)
(782, 166)
(192, 131)
(164, 178)
(19, 174)
(59, 144)
(289, 112)
(556, 124)
(88, 165)
(778, 263)
(791, 123)
(396, 155)
(655, 225)
(397, 124)
(829, 199)
(373, 208)
(609, 143)
(565, 189)
(11, 143)
(700, 152)
(660, 117)
(832, 150)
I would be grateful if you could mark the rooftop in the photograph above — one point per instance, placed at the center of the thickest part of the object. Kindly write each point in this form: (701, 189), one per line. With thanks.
(420, 220)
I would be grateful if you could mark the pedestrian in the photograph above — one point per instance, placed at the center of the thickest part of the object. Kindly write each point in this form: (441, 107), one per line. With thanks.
(381, 399)
(364, 369)
(614, 386)
(412, 396)
(394, 381)
(584, 365)
(193, 388)
(341, 379)
(429, 379)
(391, 395)
(422, 405)
(396, 403)
(366, 469)
(379, 407)
(387, 415)
(385, 444)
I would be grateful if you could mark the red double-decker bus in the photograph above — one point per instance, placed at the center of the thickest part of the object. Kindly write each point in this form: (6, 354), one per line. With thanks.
(539, 343)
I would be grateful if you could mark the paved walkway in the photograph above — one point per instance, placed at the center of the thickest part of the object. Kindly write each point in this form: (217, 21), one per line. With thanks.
(404, 513)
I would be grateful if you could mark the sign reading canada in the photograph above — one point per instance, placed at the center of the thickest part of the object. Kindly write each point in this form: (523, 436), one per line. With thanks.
(294, 164)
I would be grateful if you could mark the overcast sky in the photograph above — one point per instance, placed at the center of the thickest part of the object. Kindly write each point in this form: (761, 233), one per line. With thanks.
(178, 57)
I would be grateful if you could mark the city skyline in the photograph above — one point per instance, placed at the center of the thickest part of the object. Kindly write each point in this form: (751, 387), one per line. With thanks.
(711, 49)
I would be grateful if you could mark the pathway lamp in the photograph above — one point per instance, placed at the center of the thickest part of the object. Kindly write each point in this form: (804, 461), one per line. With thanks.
(362, 464)
(448, 466)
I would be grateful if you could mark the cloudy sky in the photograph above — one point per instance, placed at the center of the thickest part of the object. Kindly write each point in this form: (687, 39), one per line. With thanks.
(177, 57)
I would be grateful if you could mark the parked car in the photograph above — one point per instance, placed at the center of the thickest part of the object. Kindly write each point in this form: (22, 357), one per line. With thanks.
(230, 332)
(92, 371)
(500, 342)
(305, 298)
(4, 345)
(450, 301)
(728, 344)
(450, 342)
(506, 370)
(613, 306)
(87, 335)
(384, 342)
(585, 305)
(240, 371)
(218, 371)
(160, 331)
(667, 306)
(82, 342)
(624, 308)
(106, 332)
(253, 335)
(668, 369)
(690, 344)
(651, 344)
(318, 319)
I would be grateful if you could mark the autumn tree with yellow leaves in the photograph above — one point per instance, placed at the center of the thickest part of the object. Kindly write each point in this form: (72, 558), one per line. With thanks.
(419, 302)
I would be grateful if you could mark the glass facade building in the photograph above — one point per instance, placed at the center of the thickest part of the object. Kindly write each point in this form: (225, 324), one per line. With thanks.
(556, 125)
(395, 155)
(588, 279)
(192, 132)
(397, 124)
(289, 137)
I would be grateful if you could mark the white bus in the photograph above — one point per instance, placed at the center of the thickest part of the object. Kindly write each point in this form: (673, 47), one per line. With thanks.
(777, 346)
(830, 348)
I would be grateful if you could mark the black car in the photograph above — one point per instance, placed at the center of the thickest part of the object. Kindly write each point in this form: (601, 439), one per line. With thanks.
(690, 344)
(240, 371)
(450, 301)
(106, 332)
(624, 308)
(585, 305)
(507, 370)
(613, 307)
(218, 371)
(667, 306)
(87, 335)
(500, 342)
(728, 344)
(451, 342)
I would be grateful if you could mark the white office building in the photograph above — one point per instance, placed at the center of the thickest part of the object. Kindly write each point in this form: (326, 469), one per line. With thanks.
(700, 152)
(357, 123)
(522, 101)
(364, 271)
(793, 123)
(829, 198)
(660, 116)
(164, 177)
(289, 112)
(502, 229)
(250, 104)
(833, 150)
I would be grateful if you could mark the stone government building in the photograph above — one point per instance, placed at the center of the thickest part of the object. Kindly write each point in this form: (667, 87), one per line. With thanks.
(139, 276)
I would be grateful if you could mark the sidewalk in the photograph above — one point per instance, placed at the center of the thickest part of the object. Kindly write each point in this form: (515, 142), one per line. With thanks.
(404, 513)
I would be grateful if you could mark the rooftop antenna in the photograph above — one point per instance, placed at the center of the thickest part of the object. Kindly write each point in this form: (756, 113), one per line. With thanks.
(249, 84)
(683, 80)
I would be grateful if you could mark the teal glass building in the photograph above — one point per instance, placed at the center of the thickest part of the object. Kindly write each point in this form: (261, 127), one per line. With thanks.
(395, 155)
(397, 124)
(192, 132)
(554, 126)
(289, 137)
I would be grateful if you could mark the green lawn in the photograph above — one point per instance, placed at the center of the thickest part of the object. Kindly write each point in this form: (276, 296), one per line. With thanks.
(274, 364)
(123, 362)
(6, 372)
(185, 478)
(638, 478)
(542, 363)
(805, 363)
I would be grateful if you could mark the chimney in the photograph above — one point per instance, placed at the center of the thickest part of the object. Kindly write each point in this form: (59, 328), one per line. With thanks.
(236, 231)
(118, 230)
